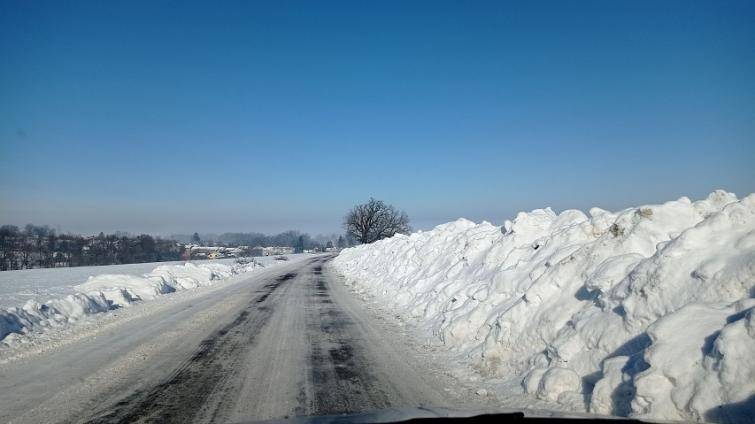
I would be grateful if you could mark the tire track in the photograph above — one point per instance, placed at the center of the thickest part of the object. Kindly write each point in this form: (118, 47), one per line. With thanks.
(339, 371)
(200, 388)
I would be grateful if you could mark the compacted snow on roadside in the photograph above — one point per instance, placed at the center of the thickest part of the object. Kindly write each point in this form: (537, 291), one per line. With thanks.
(646, 312)
(110, 288)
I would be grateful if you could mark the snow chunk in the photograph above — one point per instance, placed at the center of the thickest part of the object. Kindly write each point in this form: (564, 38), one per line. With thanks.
(556, 382)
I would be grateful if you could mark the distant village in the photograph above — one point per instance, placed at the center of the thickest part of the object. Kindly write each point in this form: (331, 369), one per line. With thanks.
(193, 251)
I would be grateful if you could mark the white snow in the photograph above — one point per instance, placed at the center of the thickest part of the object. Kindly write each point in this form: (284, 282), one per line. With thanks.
(645, 312)
(71, 303)
(18, 287)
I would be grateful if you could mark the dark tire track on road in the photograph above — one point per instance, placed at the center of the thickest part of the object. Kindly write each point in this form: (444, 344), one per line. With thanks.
(339, 371)
(200, 386)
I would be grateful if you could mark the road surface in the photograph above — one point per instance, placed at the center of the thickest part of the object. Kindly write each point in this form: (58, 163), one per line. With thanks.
(287, 341)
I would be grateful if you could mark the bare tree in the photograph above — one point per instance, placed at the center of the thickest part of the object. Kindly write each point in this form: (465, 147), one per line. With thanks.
(375, 220)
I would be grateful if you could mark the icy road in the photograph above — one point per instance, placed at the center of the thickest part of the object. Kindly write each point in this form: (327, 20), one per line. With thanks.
(287, 341)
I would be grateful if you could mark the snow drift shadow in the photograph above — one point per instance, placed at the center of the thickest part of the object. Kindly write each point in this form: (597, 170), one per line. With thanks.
(738, 412)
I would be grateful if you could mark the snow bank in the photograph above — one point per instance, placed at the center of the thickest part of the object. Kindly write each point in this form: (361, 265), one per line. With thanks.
(645, 312)
(105, 292)
(19, 286)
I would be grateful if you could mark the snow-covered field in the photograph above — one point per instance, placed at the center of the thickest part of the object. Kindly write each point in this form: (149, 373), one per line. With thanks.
(33, 302)
(18, 287)
(646, 312)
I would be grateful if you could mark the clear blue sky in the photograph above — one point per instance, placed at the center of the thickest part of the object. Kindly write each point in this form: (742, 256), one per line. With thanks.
(177, 116)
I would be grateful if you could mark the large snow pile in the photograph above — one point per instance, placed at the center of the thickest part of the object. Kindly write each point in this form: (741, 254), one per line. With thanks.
(105, 292)
(646, 312)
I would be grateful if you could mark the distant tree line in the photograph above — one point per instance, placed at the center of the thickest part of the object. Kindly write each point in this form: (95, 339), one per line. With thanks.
(41, 247)
(298, 240)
